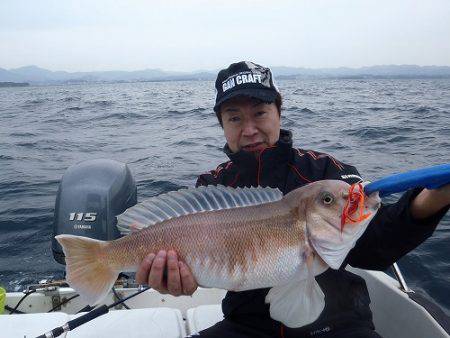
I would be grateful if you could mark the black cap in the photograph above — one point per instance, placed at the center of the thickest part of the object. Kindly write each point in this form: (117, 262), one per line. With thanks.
(245, 78)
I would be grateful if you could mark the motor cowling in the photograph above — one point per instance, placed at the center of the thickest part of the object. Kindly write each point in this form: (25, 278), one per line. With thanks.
(90, 196)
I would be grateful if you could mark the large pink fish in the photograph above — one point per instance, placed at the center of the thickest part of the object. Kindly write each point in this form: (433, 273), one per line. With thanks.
(234, 239)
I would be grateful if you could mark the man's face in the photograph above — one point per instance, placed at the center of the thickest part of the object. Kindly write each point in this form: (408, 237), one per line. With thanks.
(250, 125)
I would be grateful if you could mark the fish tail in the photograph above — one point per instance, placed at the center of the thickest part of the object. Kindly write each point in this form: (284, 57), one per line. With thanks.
(86, 271)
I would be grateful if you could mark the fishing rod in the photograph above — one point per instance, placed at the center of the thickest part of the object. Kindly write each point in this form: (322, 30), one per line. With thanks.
(97, 312)
(431, 178)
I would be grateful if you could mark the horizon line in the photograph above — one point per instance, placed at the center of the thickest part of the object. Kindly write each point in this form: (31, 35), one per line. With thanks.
(216, 69)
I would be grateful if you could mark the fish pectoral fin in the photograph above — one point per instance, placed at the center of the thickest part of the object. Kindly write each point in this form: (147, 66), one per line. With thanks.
(296, 304)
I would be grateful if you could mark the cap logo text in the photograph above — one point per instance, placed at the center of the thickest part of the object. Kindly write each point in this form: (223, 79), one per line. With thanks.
(240, 78)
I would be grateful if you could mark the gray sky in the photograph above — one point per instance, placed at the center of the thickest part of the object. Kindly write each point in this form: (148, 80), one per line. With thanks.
(86, 35)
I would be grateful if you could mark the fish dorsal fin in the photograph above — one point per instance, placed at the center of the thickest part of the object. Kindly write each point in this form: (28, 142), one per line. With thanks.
(192, 200)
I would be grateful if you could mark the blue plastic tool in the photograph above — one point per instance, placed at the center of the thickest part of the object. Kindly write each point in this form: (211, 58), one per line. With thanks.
(430, 178)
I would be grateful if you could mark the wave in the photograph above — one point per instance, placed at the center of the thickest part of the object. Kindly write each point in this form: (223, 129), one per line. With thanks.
(101, 103)
(183, 113)
(118, 116)
(377, 108)
(371, 133)
(198, 110)
(423, 110)
(184, 143)
(398, 139)
(6, 157)
(37, 101)
(14, 186)
(298, 109)
(27, 144)
(304, 92)
(138, 160)
(70, 99)
(22, 134)
(150, 187)
(75, 108)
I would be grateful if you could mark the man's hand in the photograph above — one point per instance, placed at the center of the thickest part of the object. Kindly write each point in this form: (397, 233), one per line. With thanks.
(180, 280)
(429, 202)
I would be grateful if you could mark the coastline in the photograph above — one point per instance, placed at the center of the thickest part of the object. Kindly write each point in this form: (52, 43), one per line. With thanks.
(14, 84)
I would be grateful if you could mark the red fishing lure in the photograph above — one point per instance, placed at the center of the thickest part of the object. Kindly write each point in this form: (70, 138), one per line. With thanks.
(354, 203)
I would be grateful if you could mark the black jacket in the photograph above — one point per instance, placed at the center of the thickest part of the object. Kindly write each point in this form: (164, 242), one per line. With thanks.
(390, 235)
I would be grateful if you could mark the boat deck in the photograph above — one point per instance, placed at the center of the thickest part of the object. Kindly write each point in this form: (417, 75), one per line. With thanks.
(155, 315)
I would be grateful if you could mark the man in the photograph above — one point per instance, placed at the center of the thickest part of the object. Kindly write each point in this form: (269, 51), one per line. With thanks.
(248, 106)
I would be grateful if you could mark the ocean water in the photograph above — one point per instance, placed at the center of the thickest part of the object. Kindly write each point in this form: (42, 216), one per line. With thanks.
(168, 134)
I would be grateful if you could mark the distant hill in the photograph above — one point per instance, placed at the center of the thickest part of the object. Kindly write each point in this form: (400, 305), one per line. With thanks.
(8, 76)
(36, 75)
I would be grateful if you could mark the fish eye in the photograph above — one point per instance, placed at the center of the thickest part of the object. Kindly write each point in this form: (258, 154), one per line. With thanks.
(327, 198)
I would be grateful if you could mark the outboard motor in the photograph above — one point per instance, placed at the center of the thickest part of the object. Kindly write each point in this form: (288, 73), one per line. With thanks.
(90, 196)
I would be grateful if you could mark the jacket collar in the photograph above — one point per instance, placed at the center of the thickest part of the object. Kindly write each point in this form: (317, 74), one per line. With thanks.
(275, 155)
